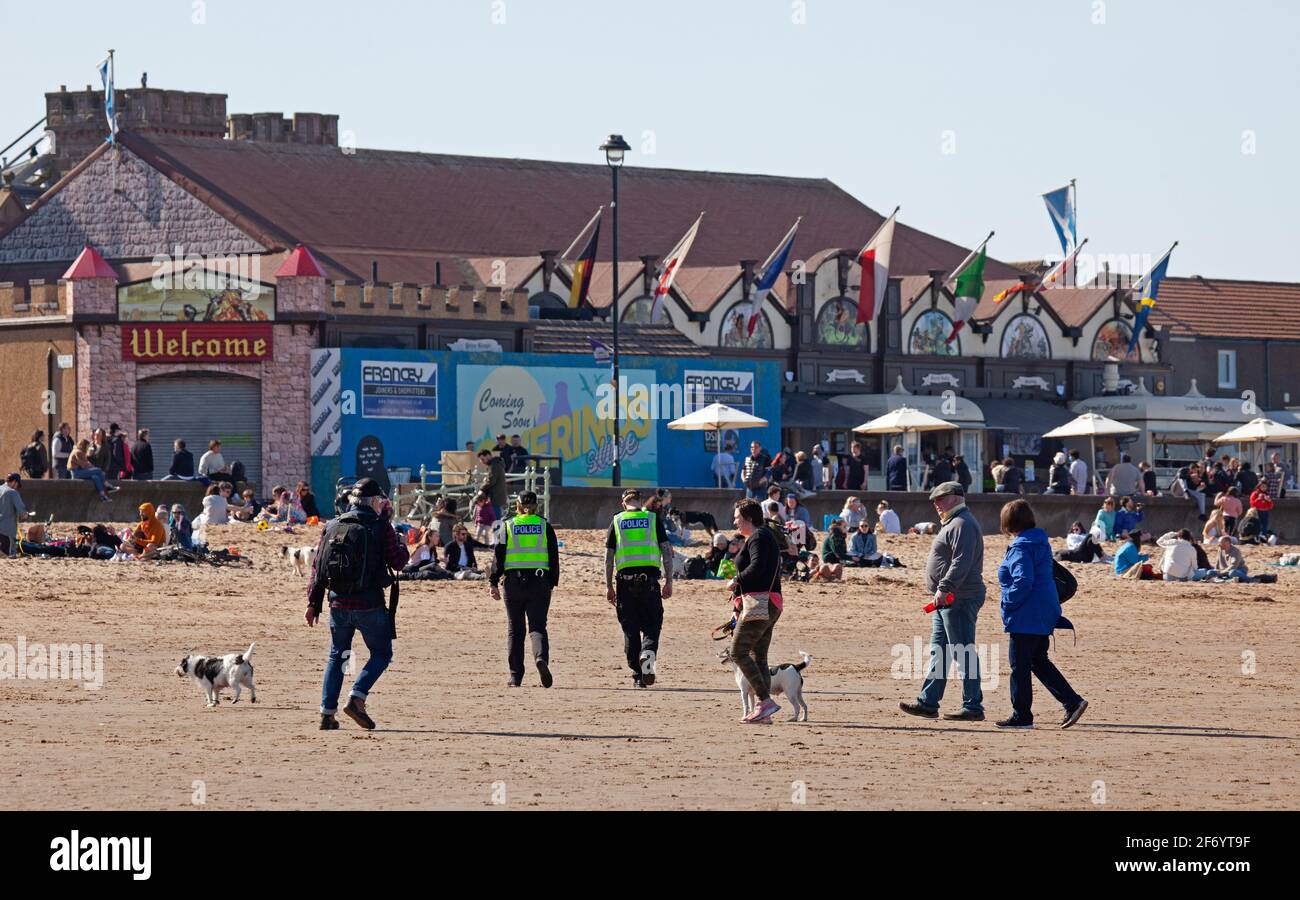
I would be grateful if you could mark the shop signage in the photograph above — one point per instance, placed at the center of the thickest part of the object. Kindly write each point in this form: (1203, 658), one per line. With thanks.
(399, 390)
(837, 375)
(704, 388)
(475, 345)
(1037, 381)
(171, 342)
(940, 378)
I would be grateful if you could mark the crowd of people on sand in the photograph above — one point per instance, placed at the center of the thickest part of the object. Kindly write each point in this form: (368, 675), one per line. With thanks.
(105, 457)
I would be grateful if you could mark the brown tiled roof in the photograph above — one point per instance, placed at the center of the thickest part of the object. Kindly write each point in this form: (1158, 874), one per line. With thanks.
(1076, 306)
(568, 336)
(911, 288)
(1216, 307)
(409, 204)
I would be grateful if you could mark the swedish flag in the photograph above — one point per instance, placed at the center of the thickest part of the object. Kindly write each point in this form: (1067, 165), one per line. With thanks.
(1148, 288)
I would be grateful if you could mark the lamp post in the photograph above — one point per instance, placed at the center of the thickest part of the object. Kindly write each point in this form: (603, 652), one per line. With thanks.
(615, 148)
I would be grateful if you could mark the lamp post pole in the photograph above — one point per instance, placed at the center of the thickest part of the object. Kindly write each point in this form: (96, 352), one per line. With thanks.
(615, 148)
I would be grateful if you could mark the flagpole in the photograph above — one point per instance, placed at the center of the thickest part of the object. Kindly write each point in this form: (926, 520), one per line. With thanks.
(583, 232)
(762, 270)
(1142, 282)
(112, 125)
(969, 257)
(1074, 204)
(877, 232)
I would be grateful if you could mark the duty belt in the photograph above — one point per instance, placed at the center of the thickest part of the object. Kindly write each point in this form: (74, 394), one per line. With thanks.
(634, 576)
(526, 573)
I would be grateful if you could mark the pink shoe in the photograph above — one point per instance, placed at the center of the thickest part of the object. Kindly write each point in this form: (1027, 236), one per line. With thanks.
(764, 710)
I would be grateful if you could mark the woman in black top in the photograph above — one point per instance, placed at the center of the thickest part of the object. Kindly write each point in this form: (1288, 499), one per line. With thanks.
(757, 592)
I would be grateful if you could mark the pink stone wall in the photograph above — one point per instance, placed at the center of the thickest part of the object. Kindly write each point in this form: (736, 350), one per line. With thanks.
(299, 294)
(106, 392)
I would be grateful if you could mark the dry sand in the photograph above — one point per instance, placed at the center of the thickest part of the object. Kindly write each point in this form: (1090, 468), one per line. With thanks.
(1174, 723)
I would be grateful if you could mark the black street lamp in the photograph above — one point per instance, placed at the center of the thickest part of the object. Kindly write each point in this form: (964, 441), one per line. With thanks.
(615, 148)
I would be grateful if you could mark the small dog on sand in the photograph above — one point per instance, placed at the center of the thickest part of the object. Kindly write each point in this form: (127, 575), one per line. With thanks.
(787, 679)
(299, 557)
(215, 673)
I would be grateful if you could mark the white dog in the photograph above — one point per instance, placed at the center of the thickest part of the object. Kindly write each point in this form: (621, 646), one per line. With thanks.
(787, 679)
(299, 557)
(214, 673)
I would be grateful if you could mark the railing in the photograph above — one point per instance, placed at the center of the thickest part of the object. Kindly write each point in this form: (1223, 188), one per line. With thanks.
(433, 484)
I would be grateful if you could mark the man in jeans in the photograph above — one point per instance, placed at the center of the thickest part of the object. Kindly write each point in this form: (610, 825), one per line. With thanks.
(955, 566)
(360, 608)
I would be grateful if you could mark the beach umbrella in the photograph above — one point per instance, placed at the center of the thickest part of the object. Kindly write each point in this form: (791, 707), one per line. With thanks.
(905, 420)
(1260, 431)
(717, 417)
(1091, 426)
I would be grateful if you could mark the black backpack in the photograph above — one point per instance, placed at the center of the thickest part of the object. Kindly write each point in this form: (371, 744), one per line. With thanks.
(1066, 584)
(352, 560)
(30, 459)
(237, 473)
(695, 567)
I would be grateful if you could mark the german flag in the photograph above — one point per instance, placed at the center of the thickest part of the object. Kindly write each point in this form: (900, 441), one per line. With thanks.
(582, 270)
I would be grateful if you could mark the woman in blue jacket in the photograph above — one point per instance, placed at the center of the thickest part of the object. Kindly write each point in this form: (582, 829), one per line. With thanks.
(1030, 610)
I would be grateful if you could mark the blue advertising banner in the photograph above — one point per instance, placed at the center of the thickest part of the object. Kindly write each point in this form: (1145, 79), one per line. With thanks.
(561, 411)
(559, 404)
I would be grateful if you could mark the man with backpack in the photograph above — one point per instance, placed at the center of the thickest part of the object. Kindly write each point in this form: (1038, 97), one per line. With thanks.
(33, 460)
(354, 562)
(529, 561)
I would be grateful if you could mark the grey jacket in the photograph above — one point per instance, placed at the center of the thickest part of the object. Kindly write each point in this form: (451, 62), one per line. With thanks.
(956, 561)
(11, 507)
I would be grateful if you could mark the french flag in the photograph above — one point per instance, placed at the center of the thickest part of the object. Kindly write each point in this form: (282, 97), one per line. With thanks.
(874, 260)
(770, 272)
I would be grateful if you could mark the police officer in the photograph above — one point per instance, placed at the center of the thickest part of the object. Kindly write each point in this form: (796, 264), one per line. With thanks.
(528, 558)
(637, 553)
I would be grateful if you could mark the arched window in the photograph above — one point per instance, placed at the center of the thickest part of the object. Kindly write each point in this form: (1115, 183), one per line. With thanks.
(638, 311)
(837, 325)
(735, 329)
(1024, 338)
(930, 335)
(548, 300)
(1112, 340)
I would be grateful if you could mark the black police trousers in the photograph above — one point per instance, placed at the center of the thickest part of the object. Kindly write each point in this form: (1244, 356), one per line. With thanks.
(640, 608)
(527, 599)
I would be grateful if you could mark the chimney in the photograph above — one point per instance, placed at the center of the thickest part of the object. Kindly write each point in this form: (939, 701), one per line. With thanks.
(307, 128)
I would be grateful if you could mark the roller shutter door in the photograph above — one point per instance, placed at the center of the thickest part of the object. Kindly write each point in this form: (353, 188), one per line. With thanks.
(199, 408)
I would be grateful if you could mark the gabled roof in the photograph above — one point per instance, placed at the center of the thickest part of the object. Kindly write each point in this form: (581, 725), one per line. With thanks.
(413, 204)
(1218, 307)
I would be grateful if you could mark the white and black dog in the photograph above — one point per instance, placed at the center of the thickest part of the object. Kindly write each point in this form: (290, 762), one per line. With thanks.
(215, 673)
(686, 518)
(787, 679)
(299, 557)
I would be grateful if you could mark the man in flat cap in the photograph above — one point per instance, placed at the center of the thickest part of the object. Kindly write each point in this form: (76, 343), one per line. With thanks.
(953, 569)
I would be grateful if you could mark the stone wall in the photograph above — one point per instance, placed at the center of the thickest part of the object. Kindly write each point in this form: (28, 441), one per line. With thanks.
(286, 407)
(149, 214)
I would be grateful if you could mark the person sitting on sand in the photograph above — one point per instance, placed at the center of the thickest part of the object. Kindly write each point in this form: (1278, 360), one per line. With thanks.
(1105, 521)
(182, 530)
(148, 536)
(1130, 554)
(1230, 563)
(863, 550)
(834, 551)
(923, 528)
(459, 556)
(888, 523)
(423, 563)
(1080, 547)
(1128, 517)
(1215, 527)
(1179, 561)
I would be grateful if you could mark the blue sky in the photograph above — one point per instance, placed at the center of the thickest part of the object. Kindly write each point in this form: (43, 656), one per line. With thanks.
(1146, 102)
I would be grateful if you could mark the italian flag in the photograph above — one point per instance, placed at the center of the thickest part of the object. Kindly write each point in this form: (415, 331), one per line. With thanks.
(968, 291)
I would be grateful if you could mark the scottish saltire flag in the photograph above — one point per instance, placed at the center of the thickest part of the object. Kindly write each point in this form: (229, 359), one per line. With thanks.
(673, 262)
(106, 76)
(1060, 206)
(769, 273)
(1147, 288)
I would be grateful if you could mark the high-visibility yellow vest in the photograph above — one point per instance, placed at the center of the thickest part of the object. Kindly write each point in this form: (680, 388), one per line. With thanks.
(526, 544)
(635, 544)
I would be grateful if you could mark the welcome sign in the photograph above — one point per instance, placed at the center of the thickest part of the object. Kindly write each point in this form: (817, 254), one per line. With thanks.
(176, 343)
(559, 412)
